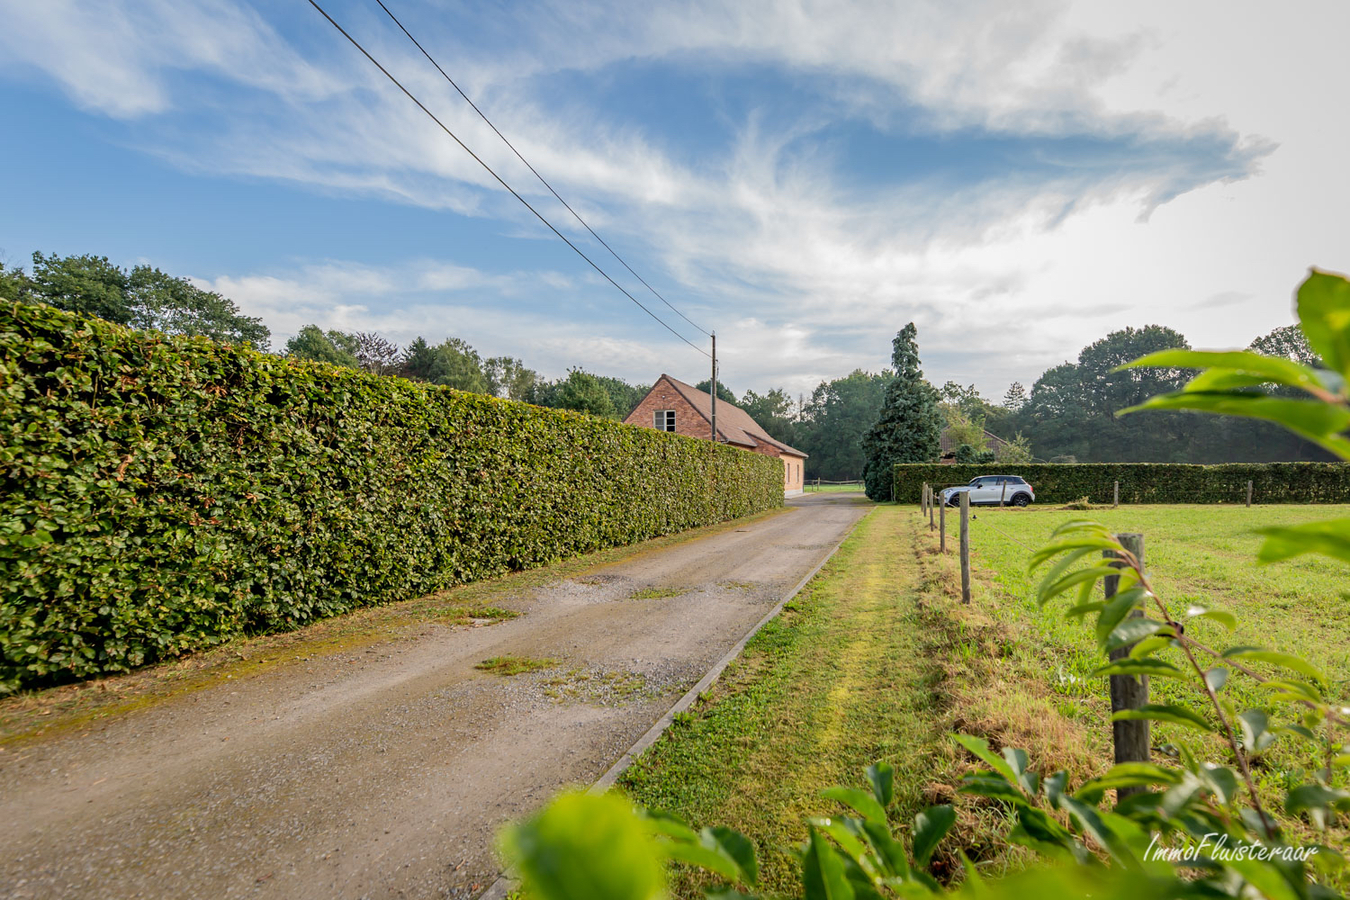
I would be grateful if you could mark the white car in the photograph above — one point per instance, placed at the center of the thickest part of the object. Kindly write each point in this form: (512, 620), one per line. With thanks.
(989, 490)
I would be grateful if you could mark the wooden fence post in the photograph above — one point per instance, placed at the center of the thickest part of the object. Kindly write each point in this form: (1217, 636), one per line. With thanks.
(965, 547)
(1131, 738)
(1003, 494)
(932, 499)
(1115, 496)
(942, 527)
(1249, 493)
(923, 497)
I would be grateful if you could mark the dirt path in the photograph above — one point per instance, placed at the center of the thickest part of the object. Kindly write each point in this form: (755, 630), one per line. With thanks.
(384, 771)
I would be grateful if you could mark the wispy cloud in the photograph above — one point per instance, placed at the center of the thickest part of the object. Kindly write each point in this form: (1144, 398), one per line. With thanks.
(897, 164)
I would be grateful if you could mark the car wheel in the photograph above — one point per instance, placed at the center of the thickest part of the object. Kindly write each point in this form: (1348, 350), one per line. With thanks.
(1021, 500)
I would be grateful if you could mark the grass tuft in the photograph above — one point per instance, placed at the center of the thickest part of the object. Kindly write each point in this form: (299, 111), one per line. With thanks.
(509, 665)
(658, 593)
(477, 615)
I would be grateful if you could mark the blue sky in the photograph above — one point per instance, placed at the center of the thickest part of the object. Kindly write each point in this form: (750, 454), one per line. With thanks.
(803, 177)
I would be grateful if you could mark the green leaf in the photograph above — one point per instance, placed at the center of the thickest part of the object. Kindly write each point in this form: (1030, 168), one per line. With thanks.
(586, 847)
(823, 871)
(1277, 658)
(1300, 690)
(1314, 799)
(1090, 821)
(1040, 826)
(1070, 557)
(980, 748)
(1083, 609)
(848, 839)
(1222, 780)
(669, 825)
(1261, 369)
(1328, 538)
(1077, 577)
(1226, 619)
(882, 778)
(1164, 712)
(704, 857)
(1255, 736)
(861, 802)
(930, 826)
(1319, 422)
(1054, 786)
(1122, 775)
(1115, 611)
(890, 852)
(1155, 667)
(994, 787)
(737, 847)
(1324, 314)
(1134, 629)
(1149, 645)
(1216, 678)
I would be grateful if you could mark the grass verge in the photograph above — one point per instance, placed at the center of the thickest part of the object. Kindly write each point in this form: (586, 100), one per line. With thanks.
(853, 671)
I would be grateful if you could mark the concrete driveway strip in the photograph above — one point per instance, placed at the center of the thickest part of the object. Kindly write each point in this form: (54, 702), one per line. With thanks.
(386, 774)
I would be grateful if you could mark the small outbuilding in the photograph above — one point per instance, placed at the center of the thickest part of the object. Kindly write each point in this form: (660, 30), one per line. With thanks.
(672, 405)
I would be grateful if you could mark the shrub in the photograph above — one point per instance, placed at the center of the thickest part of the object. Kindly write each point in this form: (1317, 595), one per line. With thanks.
(166, 494)
(1147, 482)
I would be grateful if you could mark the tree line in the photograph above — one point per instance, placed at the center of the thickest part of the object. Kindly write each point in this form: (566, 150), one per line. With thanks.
(1068, 415)
(145, 298)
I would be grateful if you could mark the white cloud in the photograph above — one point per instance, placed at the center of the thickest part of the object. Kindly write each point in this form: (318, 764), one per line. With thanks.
(803, 277)
(121, 58)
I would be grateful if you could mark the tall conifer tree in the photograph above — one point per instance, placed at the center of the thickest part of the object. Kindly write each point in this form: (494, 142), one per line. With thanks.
(910, 424)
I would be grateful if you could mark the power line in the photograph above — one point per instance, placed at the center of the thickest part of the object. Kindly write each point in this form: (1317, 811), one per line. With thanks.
(482, 115)
(499, 179)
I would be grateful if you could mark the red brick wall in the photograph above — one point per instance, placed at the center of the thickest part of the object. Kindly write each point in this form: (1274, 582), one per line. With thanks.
(688, 421)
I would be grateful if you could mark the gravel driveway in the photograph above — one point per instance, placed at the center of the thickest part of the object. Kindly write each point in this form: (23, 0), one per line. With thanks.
(384, 771)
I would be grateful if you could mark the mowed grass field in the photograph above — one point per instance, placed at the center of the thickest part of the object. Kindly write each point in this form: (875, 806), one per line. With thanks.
(848, 487)
(878, 659)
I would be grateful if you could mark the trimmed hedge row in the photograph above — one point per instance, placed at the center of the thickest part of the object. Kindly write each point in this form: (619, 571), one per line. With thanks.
(165, 494)
(1302, 482)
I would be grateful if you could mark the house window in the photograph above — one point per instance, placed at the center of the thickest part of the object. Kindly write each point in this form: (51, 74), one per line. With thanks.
(664, 420)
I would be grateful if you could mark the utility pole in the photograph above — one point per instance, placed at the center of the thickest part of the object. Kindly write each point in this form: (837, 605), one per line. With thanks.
(712, 387)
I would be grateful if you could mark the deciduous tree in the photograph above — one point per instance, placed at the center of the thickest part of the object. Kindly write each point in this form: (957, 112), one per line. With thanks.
(452, 363)
(313, 343)
(508, 377)
(836, 418)
(583, 392)
(723, 392)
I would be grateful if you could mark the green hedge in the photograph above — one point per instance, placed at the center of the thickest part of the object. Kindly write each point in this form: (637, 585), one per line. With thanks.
(161, 495)
(1148, 482)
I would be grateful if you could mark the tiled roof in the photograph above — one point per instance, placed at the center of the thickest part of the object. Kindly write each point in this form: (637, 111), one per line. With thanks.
(734, 424)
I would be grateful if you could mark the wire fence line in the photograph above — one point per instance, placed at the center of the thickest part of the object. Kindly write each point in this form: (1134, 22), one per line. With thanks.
(819, 484)
(1002, 532)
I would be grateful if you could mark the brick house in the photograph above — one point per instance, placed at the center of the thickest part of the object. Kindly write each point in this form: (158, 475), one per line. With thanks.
(948, 452)
(672, 405)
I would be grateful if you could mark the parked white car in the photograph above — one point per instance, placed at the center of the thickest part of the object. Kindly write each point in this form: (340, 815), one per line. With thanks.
(989, 490)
